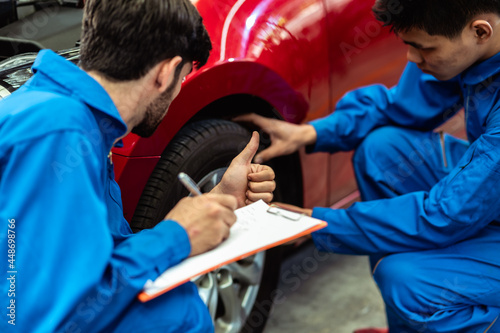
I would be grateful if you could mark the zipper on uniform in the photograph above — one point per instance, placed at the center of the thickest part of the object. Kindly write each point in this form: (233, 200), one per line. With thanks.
(443, 149)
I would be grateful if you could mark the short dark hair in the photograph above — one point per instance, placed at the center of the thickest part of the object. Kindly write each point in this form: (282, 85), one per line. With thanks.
(436, 17)
(124, 39)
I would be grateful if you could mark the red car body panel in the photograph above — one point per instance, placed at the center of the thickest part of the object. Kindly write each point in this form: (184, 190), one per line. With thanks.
(299, 56)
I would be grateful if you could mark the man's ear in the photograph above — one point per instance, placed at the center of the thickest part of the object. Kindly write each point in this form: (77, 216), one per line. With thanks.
(482, 30)
(166, 73)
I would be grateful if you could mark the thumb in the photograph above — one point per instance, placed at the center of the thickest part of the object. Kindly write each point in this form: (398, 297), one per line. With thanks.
(267, 154)
(247, 154)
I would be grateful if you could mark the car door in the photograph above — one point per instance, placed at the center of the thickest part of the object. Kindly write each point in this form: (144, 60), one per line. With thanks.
(361, 52)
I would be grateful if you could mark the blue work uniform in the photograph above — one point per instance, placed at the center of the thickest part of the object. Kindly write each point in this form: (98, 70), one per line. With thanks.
(77, 266)
(431, 203)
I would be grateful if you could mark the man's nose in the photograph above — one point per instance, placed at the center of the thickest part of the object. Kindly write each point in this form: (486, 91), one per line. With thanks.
(413, 55)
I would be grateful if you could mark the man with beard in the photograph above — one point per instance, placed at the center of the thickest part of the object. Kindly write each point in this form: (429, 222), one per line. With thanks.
(78, 266)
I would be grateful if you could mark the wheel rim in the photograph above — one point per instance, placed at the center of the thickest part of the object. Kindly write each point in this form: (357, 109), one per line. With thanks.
(230, 291)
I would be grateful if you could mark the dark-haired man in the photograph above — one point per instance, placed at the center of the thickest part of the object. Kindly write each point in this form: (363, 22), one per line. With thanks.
(74, 264)
(430, 219)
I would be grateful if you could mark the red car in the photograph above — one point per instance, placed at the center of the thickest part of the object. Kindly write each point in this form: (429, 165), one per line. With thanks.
(286, 59)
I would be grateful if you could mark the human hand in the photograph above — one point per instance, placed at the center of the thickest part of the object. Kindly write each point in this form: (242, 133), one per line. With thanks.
(206, 218)
(286, 138)
(246, 181)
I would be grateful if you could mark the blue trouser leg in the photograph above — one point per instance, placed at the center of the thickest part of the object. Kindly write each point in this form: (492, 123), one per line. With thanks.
(393, 161)
(455, 289)
(179, 310)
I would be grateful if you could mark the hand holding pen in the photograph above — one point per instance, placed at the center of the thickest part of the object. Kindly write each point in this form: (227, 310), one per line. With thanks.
(206, 218)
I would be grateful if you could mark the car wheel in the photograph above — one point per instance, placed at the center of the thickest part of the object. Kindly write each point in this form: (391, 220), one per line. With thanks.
(238, 295)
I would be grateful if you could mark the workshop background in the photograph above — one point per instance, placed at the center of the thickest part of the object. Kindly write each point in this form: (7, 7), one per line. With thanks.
(325, 293)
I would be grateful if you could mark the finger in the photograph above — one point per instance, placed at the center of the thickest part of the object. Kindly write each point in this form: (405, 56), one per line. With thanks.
(261, 187)
(289, 207)
(261, 173)
(306, 211)
(268, 154)
(226, 232)
(253, 197)
(225, 200)
(218, 208)
(230, 219)
(255, 119)
(247, 154)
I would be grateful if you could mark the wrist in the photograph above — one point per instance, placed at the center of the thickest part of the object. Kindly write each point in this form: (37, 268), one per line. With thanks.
(306, 135)
(217, 189)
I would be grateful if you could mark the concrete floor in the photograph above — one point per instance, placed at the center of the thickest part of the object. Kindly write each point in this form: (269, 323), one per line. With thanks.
(325, 293)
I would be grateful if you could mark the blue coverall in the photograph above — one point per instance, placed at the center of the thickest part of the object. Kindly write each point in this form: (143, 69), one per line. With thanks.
(431, 203)
(78, 267)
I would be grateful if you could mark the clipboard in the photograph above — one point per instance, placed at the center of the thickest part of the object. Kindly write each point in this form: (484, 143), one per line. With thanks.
(258, 227)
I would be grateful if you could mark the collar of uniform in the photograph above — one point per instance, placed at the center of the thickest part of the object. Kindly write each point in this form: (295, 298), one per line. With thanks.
(483, 70)
(80, 84)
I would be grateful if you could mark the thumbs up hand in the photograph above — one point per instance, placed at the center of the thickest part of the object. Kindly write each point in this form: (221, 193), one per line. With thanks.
(246, 181)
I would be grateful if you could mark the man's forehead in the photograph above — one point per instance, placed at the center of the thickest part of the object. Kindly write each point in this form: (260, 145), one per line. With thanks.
(417, 38)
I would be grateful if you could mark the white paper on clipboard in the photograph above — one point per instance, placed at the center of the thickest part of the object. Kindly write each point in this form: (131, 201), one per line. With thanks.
(258, 227)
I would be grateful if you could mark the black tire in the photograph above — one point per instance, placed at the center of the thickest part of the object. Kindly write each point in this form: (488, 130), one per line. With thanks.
(200, 149)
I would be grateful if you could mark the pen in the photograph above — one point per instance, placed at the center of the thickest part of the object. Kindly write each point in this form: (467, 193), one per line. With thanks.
(189, 184)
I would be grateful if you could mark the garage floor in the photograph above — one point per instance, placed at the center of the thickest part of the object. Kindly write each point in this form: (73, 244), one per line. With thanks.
(325, 293)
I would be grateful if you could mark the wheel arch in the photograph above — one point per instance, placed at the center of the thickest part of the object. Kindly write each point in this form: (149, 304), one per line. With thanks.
(221, 82)
(202, 98)
(287, 168)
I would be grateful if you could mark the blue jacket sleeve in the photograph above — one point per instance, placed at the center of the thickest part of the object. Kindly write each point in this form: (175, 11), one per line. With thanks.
(419, 101)
(72, 277)
(457, 207)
